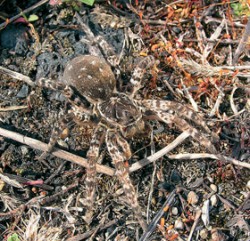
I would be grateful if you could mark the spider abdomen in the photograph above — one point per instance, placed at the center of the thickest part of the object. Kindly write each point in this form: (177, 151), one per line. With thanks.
(91, 76)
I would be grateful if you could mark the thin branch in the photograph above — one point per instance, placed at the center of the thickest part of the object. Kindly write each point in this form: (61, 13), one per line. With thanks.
(231, 99)
(152, 226)
(196, 220)
(14, 107)
(2, 25)
(57, 152)
(243, 42)
(17, 75)
(189, 156)
(145, 161)
(219, 100)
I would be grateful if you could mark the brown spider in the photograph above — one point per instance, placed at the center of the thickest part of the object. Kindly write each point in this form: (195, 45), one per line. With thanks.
(91, 90)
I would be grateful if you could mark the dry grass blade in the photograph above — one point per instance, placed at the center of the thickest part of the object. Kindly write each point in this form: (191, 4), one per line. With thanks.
(243, 42)
(211, 156)
(35, 232)
(10, 181)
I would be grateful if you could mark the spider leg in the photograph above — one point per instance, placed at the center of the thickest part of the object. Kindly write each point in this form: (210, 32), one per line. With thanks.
(56, 132)
(92, 156)
(139, 72)
(107, 51)
(181, 123)
(67, 91)
(184, 126)
(181, 111)
(114, 141)
(78, 111)
(109, 55)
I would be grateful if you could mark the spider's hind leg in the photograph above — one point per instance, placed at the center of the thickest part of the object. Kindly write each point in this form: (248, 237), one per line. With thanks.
(166, 114)
(92, 156)
(182, 111)
(119, 152)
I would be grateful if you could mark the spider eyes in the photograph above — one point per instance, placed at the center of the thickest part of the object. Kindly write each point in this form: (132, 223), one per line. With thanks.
(126, 115)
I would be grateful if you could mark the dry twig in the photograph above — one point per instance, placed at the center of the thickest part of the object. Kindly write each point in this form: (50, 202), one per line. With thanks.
(155, 221)
(211, 156)
(57, 152)
(242, 43)
(2, 25)
(14, 107)
(17, 75)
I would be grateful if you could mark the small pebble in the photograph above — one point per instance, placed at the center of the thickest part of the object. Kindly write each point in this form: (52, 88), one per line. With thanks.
(214, 200)
(65, 133)
(153, 201)
(214, 187)
(24, 150)
(192, 198)
(23, 92)
(62, 143)
(248, 184)
(204, 233)
(178, 224)
(174, 210)
(210, 179)
(205, 213)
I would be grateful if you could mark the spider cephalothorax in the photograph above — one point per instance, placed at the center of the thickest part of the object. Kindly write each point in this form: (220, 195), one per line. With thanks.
(91, 91)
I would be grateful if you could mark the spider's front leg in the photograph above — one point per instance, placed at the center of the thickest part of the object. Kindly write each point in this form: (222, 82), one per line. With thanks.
(78, 106)
(115, 143)
(139, 72)
(67, 91)
(92, 156)
(182, 111)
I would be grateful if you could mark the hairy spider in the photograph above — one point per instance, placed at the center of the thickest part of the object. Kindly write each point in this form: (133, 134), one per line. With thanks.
(91, 91)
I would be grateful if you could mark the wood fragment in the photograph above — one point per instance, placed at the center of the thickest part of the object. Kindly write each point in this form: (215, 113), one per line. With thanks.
(14, 107)
(243, 42)
(145, 161)
(57, 152)
(211, 156)
(17, 75)
(210, 45)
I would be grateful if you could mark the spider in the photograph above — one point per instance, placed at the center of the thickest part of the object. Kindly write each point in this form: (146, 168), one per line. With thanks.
(91, 90)
(94, 94)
